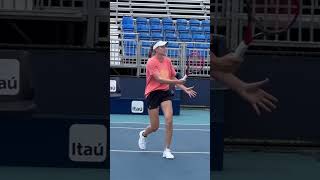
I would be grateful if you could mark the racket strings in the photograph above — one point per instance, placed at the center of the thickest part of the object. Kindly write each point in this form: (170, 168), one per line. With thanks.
(274, 16)
(195, 63)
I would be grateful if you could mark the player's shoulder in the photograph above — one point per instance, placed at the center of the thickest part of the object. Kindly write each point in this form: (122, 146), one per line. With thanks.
(168, 59)
(151, 60)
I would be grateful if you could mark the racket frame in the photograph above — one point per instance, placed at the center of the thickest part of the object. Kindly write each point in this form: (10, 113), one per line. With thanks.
(194, 53)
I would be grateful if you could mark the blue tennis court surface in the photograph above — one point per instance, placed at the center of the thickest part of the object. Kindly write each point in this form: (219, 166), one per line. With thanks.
(190, 145)
(187, 116)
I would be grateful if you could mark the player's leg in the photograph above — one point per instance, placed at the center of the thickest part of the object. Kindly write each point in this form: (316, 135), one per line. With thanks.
(153, 103)
(168, 115)
(154, 121)
(153, 127)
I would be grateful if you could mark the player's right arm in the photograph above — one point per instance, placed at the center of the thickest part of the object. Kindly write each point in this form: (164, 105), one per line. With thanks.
(228, 63)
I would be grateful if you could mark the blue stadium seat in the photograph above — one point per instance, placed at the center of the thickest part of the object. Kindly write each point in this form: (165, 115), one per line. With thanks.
(185, 37)
(155, 28)
(205, 22)
(203, 49)
(127, 20)
(173, 53)
(190, 45)
(183, 29)
(167, 21)
(169, 28)
(129, 43)
(181, 22)
(127, 27)
(199, 38)
(146, 43)
(129, 36)
(144, 36)
(194, 22)
(154, 21)
(173, 49)
(145, 48)
(129, 47)
(173, 45)
(143, 28)
(189, 48)
(202, 46)
(196, 30)
(144, 51)
(141, 21)
(206, 29)
(207, 37)
(156, 36)
(171, 37)
(130, 52)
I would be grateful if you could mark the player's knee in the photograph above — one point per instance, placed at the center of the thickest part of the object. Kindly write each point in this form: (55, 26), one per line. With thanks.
(168, 117)
(169, 121)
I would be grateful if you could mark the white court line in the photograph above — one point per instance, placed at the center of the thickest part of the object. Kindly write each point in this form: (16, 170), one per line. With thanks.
(176, 152)
(204, 130)
(160, 123)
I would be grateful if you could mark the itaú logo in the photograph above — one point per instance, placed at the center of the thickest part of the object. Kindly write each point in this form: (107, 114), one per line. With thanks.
(137, 106)
(9, 76)
(113, 85)
(80, 149)
(88, 143)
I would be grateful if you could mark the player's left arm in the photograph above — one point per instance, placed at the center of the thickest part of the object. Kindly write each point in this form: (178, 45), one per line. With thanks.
(188, 90)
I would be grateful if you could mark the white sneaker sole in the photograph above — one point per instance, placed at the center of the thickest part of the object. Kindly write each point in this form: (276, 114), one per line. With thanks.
(142, 148)
(164, 156)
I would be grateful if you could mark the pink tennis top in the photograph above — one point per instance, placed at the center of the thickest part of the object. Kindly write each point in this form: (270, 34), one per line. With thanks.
(165, 69)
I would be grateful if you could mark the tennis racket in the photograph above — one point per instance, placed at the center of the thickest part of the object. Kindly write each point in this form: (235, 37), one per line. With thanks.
(268, 18)
(195, 63)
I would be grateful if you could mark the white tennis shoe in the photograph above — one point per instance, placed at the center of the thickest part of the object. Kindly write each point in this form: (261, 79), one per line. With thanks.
(167, 154)
(142, 141)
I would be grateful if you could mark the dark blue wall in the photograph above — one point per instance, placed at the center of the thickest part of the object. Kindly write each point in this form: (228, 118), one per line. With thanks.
(70, 82)
(295, 81)
(71, 87)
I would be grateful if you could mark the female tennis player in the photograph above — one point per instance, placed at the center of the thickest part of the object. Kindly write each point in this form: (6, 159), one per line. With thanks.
(160, 74)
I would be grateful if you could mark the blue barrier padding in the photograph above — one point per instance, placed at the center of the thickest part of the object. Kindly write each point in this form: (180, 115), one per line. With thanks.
(131, 105)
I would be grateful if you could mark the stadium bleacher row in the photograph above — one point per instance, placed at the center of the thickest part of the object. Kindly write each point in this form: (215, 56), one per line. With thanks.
(148, 30)
(136, 24)
(166, 29)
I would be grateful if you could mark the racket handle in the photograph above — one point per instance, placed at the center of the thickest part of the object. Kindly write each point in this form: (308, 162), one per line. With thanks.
(241, 49)
(178, 75)
(184, 78)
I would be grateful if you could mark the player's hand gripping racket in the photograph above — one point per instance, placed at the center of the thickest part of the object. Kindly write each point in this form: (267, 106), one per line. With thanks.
(269, 17)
